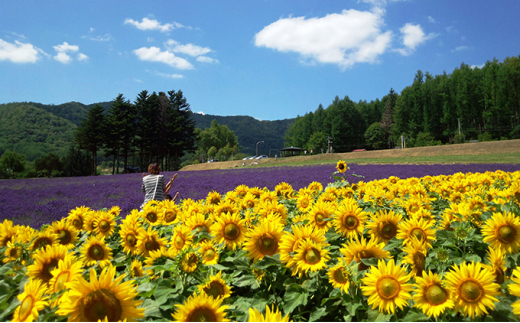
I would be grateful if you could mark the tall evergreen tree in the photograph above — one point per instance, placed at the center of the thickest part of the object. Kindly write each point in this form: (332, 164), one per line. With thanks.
(90, 134)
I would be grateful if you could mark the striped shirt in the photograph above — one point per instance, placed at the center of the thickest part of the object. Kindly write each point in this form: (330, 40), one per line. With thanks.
(149, 183)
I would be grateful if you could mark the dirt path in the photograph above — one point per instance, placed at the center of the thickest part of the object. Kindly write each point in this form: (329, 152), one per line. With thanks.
(480, 148)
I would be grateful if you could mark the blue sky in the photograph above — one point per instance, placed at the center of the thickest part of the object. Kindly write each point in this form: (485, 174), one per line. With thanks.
(267, 59)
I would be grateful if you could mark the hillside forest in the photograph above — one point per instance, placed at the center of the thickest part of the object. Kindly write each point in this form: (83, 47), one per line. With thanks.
(471, 103)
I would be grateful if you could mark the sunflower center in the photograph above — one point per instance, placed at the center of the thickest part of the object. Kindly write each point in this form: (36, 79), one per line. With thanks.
(78, 223)
(42, 242)
(193, 260)
(312, 256)
(320, 218)
(250, 204)
(179, 242)
(61, 279)
(388, 288)
(96, 252)
(506, 233)
(351, 222)
(130, 240)
(13, 253)
(471, 291)
(517, 196)
(215, 289)
(64, 237)
(419, 261)
(304, 203)
(152, 217)
(340, 277)
(267, 244)
(47, 268)
(499, 276)
(387, 229)
(414, 208)
(418, 233)
(26, 307)
(151, 245)
(100, 304)
(170, 216)
(202, 314)
(136, 272)
(104, 226)
(209, 254)
(231, 231)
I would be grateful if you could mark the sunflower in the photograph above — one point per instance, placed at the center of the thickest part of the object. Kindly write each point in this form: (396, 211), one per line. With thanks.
(105, 223)
(181, 238)
(339, 277)
(502, 231)
(209, 253)
(152, 215)
(311, 256)
(386, 285)
(498, 264)
(114, 210)
(418, 228)
(514, 191)
(128, 236)
(149, 241)
(349, 219)
(201, 308)
(473, 288)
(69, 269)
(230, 230)
(45, 260)
(136, 269)
(249, 201)
(347, 192)
(66, 232)
(290, 242)
(415, 255)
(198, 222)
(263, 239)
(341, 166)
(271, 315)
(384, 225)
(171, 213)
(319, 213)
(514, 289)
(213, 198)
(77, 216)
(96, 251)
(89, 223)
(358, 249)
(13, 251)
(315, 187)
(189, 262)
(104, 298)
(241, 190)
(155, 258)
(7, 232)
(264, 208)
(216, 287)
(431, 296)
(32, 300)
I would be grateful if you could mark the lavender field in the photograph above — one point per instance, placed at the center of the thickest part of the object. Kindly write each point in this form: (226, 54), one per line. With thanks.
(36, 202)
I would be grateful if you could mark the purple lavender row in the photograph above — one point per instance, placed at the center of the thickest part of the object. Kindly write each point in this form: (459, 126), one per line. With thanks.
(36, 202)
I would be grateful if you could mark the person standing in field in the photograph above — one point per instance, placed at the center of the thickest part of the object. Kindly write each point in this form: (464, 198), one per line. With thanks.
(153, 184)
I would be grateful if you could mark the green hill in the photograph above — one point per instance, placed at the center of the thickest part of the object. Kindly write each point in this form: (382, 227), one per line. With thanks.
(250, 131)
(33, 131)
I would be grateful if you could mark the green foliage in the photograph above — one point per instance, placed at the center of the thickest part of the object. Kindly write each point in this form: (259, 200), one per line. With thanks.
(317, 141)
(47, 164)
(12, 162)
(217, 139)
(459, 139)
(486, 136)
(375, 136)
(424, 139)
(76, 163)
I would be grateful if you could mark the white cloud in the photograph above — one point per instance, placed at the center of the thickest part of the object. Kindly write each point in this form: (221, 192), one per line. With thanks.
(206, 59)
(200, 112)
(459, 48)
(413, 36)
(170, 76)
(431, 20)
(150, 39)
(82, 57)
(106, 37)
(189, 49)
(478, 66)
(18, 52)
(154, 54)
(65, 47)
(152, 24)
(343, 39)
(137, 80)
(63, 58)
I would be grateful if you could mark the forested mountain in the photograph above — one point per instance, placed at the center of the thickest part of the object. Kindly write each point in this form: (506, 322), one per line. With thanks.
(33, 131)
(250, 131)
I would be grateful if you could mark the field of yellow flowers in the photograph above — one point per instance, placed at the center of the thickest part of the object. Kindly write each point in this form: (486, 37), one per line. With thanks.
(436, 248)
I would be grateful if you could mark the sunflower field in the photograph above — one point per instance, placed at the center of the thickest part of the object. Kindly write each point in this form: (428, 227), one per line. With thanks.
(435, 248)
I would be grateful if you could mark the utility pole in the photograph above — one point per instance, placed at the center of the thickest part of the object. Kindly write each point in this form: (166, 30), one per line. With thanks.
(458, 119)
(257, 147)
(329, 143)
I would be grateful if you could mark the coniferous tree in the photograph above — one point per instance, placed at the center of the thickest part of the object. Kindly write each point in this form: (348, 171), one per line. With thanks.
(90, 134)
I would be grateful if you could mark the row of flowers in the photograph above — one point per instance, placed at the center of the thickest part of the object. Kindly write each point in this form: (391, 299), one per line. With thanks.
(431, 248)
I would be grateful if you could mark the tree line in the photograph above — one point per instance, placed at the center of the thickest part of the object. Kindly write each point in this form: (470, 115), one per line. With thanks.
(471, 103)
(155, 127)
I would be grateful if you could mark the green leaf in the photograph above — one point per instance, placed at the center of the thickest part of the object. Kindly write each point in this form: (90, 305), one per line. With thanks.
(415, 315)
(219, 267)
(10, 309)
(151, 308)
(375, 316)
(146, 290)
(318, 313)
(269, 261)
(246, 280)
(295, 296)
(370, 261)
(470, 258)
(393, 243)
